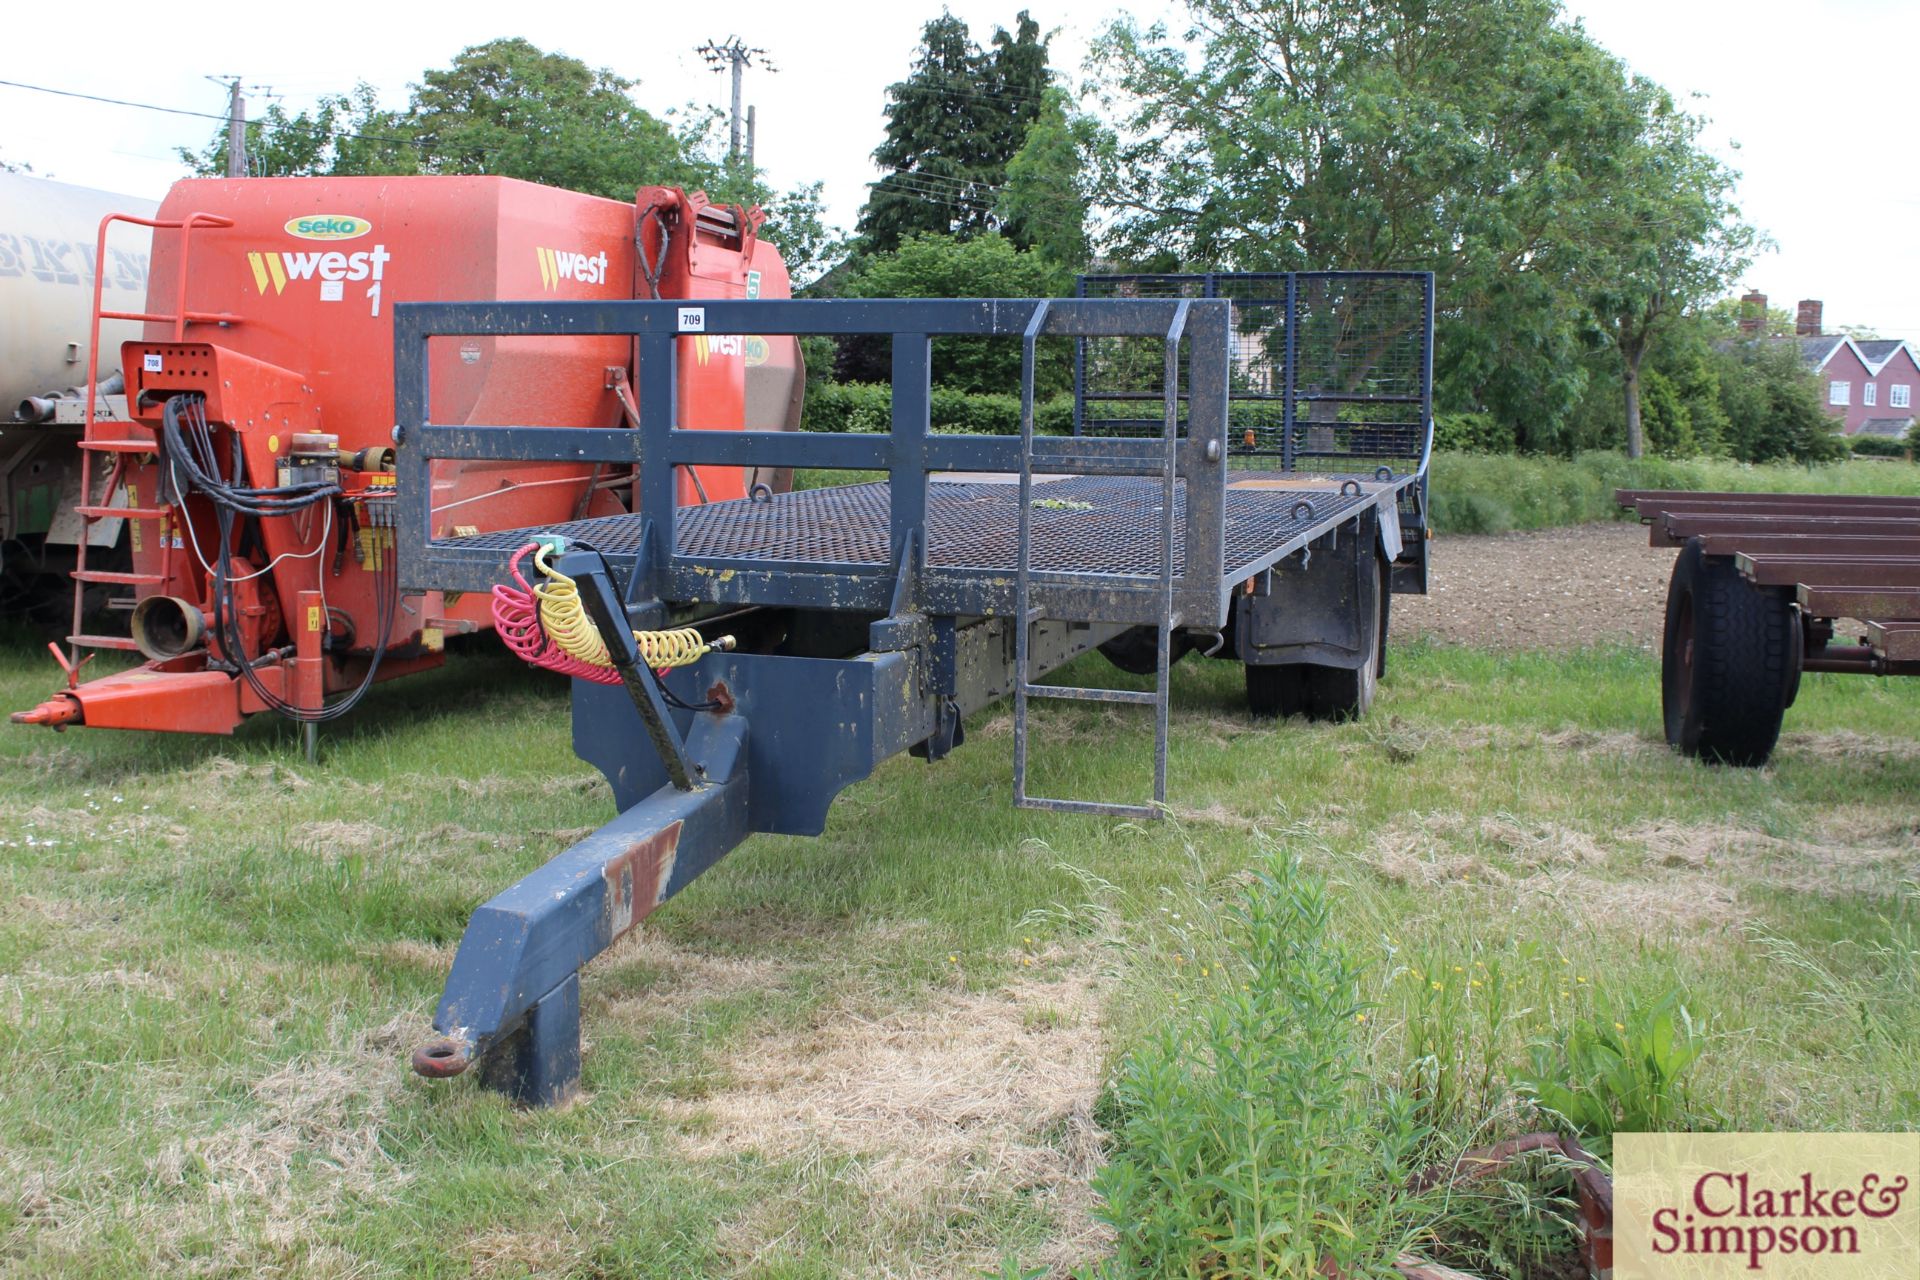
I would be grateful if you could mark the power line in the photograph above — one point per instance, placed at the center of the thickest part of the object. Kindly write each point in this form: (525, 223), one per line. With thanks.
(992, 95)
(942, 194)
(734, 55)
(208, 115)
(922, 175)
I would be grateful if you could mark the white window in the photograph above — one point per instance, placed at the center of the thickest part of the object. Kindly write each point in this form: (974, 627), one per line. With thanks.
(1839, 392)
(1868, 393)
(1900, 396)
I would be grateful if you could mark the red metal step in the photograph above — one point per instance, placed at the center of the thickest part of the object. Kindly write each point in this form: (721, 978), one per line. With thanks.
(116, 579)
(104, 642)
(131, 513)
(120, 446)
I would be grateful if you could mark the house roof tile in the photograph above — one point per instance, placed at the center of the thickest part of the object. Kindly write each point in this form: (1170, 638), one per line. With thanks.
(1814, 351)
(1892, 428)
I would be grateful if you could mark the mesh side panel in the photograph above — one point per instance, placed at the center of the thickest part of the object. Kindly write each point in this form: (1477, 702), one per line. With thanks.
(1359, 367)
(1358, 388)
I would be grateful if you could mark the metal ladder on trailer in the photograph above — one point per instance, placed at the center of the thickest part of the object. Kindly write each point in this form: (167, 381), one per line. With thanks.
(1027, 615)
(122, 448)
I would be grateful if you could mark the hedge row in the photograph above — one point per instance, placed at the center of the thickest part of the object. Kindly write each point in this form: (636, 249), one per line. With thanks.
(1494, 493)
(863, 406)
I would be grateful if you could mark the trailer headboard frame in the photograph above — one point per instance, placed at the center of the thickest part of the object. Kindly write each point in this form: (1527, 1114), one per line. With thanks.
(658, 566)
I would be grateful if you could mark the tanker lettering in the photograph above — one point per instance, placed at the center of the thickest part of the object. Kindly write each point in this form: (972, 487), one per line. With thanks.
(328, 226)
(271, 269)
(557, 265)
(706, 346)
(65, 262)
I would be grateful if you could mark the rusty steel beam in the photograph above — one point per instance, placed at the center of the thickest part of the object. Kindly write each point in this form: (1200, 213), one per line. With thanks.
(1840, 503)
(1808, 544)
(1895, 641)
(1798, 508)
(1891, 603)
(1673, 528)
(1856, 660)
(1830, 571)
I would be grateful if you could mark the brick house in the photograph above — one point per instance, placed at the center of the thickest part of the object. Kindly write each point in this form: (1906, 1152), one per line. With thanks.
(1861, 379)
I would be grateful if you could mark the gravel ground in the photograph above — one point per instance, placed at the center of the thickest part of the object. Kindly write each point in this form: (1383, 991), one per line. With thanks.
(1545, 588)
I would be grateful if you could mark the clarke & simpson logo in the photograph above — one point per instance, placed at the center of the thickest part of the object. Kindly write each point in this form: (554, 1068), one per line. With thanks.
(1727, 1215)
(1780, 1205)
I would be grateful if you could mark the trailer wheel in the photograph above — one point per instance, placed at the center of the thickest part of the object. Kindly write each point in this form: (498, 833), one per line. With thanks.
(1729, 664)
(1137, 652)
(1386, 613)
(1275, 691)
(1337, 693)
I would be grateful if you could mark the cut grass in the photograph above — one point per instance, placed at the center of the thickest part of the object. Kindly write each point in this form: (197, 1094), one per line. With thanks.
(214, 959)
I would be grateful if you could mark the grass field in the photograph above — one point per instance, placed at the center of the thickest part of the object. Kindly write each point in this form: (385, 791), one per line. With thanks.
(880, 1052)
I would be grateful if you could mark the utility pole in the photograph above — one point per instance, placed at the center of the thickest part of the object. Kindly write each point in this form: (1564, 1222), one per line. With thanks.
(734, 55)
(236, 126)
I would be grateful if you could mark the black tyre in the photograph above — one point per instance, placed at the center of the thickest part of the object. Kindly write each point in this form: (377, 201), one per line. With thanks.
(1274, 691)
(1136, 652)
(1386, 614)
(1337, 693)
(1730, 662)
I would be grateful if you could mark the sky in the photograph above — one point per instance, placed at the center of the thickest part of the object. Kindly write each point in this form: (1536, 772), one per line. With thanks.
(1811, 101)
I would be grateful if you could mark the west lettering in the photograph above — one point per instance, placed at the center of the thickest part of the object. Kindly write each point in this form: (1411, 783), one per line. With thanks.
(335, 265)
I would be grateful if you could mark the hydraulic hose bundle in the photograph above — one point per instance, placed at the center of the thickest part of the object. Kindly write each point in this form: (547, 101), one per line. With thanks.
(547, 626)
(193, 466)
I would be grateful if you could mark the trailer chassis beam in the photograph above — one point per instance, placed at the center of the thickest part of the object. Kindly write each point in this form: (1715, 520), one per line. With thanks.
(511, 1007)
(512, 1001)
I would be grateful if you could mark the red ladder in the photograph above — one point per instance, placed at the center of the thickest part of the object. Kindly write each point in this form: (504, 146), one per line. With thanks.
(119, 448)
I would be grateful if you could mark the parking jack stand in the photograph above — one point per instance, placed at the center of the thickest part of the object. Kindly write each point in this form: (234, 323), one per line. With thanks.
(539, 1064)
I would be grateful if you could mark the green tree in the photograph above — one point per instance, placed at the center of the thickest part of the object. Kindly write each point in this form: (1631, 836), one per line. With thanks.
(1772, 406)
(797, 223)
(509, 108)
(1668, 242)
(952, 127)
(1044, 202)
(1478, 139)
(344, 133)
(930, 265)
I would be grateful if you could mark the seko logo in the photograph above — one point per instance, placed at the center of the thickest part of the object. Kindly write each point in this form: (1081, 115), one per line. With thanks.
(328, 226)
(557, 265)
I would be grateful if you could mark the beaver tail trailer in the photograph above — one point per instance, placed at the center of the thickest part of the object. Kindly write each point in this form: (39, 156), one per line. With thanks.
(842, 626)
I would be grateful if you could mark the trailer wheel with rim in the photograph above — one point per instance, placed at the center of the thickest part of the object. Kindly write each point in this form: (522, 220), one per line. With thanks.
(1730, 662)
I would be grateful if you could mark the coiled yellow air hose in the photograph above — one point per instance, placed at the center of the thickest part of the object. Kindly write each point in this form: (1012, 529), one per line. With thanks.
(564, 618)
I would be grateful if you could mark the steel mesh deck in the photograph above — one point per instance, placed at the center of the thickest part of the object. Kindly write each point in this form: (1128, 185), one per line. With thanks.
(1088, 525)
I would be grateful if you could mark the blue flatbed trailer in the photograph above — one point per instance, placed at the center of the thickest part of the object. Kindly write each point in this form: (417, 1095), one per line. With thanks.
(873, 618)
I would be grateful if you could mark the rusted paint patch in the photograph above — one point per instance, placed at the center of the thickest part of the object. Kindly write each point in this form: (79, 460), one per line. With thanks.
(637, 879)
(721, 697)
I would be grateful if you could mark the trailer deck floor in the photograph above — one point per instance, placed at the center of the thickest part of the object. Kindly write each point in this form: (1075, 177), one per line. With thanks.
(1081, 524)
